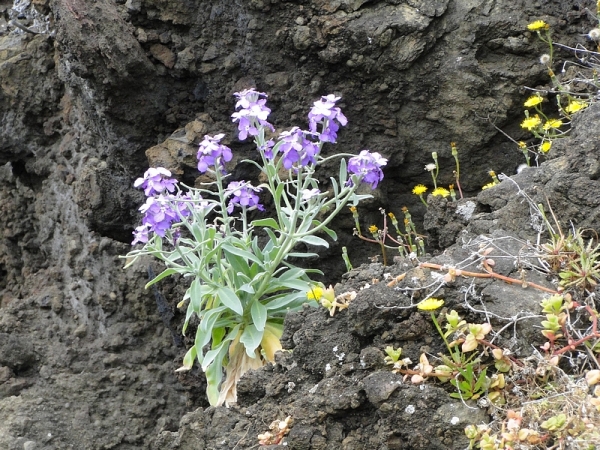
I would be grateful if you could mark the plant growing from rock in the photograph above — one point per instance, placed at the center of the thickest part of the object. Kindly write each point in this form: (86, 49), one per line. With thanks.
(242, 288)
(406, 243)
(567, 91)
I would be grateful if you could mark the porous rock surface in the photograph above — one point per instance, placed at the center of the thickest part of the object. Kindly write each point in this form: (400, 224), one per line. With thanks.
(95, 92)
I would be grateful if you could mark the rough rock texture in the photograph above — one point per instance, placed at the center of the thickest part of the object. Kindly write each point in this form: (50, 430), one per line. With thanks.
(100, 90)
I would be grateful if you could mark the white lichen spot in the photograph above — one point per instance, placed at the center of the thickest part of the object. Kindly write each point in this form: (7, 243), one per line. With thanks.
(335, 349)
(455, 420)
(410, 409)
(313, 389)
(437, 275)
(327, 367)
(466, 209)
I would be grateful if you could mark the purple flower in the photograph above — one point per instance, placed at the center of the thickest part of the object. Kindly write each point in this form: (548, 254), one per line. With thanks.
(331, 116)
(267, 149)
(158, 215)
(368, 166)
(243, 195)
(183, 204)
(141, 234)
(213, 153)
(253, 113)
(156, 181)
(297, 149)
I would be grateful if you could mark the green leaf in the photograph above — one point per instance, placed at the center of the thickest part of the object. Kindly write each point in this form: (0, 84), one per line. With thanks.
(314, 240)
(209, 318)
(190, 356)
(188, 315)
(214, 373)
(163, 274)
(299, 285)
(217, 335)
(332, 234)
(241, 252)
(480, 381)
(215, 353)
(247, 287)
(291, 301)
(269, 222)
(272, 237)
(302, 255)
(292, 274)
(259, 315)
(336, 189)
(230, 299)
(251, 338)
(343, 175)
(196, 293)
(278, 192)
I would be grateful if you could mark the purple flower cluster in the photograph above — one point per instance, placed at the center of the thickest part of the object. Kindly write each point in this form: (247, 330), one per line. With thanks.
(331, 116)
(253, 113)
(244, 195)
(158, 214)
(161, 209)
(213, 153)
(297, 149)
(368, 166)
(156, 181)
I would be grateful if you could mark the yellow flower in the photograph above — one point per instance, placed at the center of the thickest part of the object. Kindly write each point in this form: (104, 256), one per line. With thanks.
(533, 100)
(575, 106)
(353, 209)
(315, 293)
(545, 147)
(430, 304)
(538, 25)
(531, 122)
(373, 229)
(441, 192)
(553, 123)
(419, 189)
(522, 144)
(489, 185)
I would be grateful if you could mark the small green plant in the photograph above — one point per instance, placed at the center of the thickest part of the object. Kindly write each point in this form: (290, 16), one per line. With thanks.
(454, 151)
(393, 355)
(439, 191)
(576, 261)
(471, 385)
(406, 242)
(242, 288)
(464, 371)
